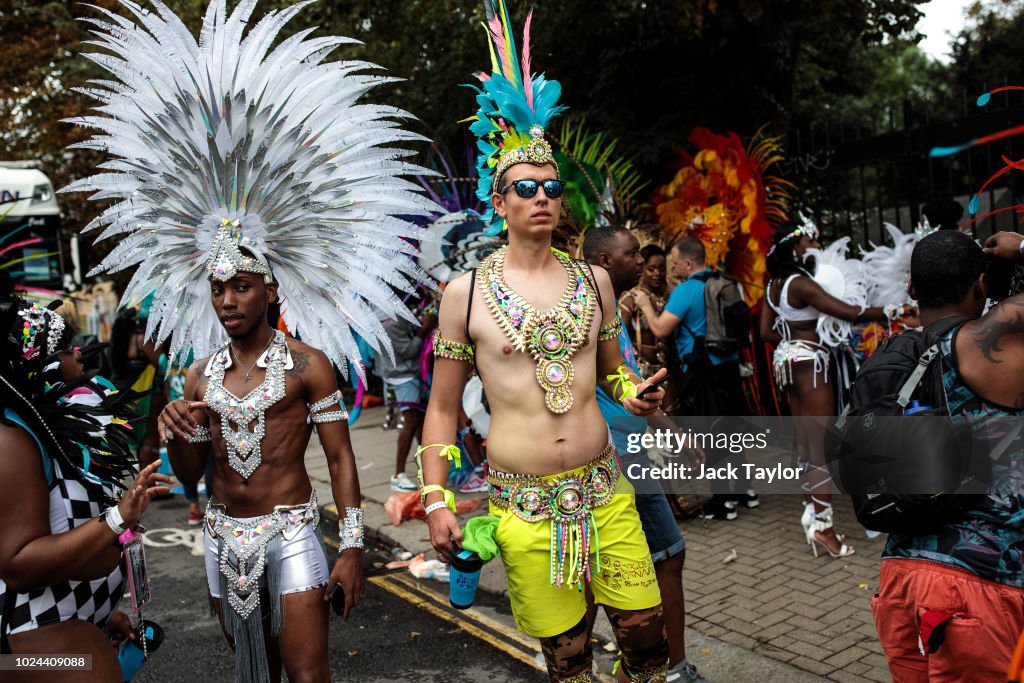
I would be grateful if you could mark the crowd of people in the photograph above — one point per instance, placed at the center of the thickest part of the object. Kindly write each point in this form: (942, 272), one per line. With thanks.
(275, 238)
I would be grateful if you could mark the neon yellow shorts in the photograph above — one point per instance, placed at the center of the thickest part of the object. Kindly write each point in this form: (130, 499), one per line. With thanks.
(625, 578)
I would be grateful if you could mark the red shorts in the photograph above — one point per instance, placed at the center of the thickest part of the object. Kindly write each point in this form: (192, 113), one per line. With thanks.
(974, 624)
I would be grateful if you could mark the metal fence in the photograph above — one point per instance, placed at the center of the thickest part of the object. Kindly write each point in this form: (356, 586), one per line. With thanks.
(853, 181)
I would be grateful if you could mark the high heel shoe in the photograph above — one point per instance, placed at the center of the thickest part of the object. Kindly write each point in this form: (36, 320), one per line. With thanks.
(822, 523)
(807, 519)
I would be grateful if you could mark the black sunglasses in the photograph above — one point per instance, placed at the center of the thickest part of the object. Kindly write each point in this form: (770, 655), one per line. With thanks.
(527, 188)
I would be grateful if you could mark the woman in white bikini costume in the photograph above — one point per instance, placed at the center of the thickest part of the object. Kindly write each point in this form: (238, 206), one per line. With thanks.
(801, 366)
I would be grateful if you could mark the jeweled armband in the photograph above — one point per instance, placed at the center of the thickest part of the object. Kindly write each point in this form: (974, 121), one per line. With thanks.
(320, 413)
(202, 435)
(452, 350)
(610, 330)
(350, 530)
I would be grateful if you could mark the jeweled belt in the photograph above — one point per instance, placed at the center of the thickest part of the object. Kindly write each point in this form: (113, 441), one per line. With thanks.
(568, 500)
(248, 538)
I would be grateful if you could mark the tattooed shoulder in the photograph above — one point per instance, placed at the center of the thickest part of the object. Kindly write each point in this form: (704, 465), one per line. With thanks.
(990, 332)
(300, 361)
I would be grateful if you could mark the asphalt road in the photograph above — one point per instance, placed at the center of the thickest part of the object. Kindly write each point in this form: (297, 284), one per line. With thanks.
(401, 632)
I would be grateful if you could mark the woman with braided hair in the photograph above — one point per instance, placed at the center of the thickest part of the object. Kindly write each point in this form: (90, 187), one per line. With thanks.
(66, 447)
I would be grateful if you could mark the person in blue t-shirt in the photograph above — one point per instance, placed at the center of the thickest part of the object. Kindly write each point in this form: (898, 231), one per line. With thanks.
(617, 250)
(711, 383)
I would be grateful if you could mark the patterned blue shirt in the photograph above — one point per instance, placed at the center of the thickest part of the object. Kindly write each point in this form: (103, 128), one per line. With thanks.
(989, 539)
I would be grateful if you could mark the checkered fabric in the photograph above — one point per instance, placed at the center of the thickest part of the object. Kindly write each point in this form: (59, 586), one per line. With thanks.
(92, 601)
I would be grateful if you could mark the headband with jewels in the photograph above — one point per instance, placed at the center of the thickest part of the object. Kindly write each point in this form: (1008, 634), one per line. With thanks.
(537, 152)
(38, 320)
(807, 228)
(514, 107)
(924, 229)
(227, 260)
(239, 152)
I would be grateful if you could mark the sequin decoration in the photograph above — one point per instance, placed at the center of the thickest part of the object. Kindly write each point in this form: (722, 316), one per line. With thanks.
(238, 414)
(37, 319)
(243, 554)
(568, 501)
(551, 337)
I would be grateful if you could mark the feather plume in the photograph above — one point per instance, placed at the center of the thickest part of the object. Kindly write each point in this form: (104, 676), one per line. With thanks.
(510, 101)
(278, 138)
(844, 279)
(887, 269)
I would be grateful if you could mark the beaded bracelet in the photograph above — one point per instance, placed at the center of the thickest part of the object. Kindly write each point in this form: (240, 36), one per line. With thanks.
(350, 530)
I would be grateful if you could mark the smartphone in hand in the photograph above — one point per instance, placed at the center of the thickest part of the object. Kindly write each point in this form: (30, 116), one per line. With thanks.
(338, 600)
(653, 387)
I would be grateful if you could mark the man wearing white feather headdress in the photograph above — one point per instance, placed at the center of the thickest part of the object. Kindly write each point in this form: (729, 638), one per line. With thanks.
(542, 331)
(247, 174)
(808, 307)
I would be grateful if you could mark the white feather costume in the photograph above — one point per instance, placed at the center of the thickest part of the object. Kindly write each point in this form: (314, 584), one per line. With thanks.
(226, 142)
(844, 279)
(887, 269)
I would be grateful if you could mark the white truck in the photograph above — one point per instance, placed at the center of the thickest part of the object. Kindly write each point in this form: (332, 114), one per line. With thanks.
(31, 249)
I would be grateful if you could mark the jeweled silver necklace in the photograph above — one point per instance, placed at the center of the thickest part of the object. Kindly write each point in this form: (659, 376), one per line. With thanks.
(244, 454)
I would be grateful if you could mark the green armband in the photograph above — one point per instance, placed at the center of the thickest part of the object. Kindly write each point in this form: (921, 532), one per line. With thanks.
(627, 389)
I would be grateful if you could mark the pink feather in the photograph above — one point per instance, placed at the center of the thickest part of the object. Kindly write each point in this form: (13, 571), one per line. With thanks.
(527, 74)
(501, 47)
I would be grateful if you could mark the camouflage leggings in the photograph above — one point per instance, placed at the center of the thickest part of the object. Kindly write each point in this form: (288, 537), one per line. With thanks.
(639, 633)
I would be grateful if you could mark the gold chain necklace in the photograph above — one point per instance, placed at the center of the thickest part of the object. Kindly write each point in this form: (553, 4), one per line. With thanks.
(552, 337)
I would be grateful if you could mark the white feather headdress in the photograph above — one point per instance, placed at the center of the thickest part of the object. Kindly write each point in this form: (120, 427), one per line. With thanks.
(223, 143)
(844, 279)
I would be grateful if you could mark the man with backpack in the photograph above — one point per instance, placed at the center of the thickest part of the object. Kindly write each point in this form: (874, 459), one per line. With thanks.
(706, 314)
(951, 596)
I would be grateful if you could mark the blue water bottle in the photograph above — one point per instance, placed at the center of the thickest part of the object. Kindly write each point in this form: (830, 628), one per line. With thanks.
(915, 408)
(463, 578)
(131, 655)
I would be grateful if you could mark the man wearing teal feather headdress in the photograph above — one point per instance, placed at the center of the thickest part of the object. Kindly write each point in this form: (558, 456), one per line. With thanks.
(551, 333)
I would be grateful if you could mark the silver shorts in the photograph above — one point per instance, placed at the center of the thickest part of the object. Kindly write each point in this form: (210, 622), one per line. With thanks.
(303, 562)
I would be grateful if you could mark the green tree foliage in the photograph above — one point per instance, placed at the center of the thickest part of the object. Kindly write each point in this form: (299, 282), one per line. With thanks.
(644, 72)
(988, 52)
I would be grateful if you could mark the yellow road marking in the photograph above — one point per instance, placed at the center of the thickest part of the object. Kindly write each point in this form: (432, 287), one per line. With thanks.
(387, 583)
(433, 603)
(473, 613)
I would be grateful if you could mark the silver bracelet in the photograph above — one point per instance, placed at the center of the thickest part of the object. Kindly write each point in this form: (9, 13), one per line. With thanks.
(350, 530)
(202, 435)
(435, 506)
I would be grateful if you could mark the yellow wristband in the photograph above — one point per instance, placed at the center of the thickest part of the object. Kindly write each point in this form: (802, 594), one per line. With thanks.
(450, 451)
(626, 387)
(449, 497)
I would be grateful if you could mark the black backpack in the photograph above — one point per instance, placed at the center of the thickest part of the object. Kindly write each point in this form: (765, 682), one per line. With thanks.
(906, 475)
(728, 316)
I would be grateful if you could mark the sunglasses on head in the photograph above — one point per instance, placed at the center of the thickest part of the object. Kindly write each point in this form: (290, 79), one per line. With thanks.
(527, 188)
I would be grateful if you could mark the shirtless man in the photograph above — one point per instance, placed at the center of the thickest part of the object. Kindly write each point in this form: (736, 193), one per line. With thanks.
(548, 436)
(268, 484)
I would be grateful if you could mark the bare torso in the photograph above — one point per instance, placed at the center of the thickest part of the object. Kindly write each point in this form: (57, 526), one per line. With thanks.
(525, 436)
(281, 478)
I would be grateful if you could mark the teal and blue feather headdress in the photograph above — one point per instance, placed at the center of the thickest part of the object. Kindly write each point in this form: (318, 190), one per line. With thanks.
(513, 110)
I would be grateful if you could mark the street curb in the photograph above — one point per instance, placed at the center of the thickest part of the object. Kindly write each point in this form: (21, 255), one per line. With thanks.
(377, 528)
